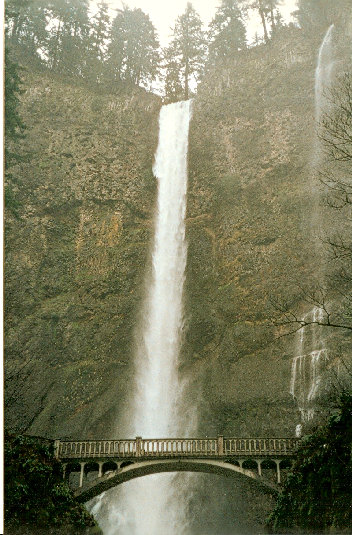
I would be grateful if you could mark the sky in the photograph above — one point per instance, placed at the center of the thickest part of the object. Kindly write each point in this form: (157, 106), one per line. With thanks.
(163, 13)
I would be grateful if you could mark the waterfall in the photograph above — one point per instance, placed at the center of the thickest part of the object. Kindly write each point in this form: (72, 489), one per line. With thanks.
(323, 72)
(323, 77)
(308, 366)
(310, 357)
(152, 505)
(157, 359)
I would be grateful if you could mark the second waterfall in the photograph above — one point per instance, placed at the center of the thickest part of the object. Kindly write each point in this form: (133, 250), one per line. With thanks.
(150, 506)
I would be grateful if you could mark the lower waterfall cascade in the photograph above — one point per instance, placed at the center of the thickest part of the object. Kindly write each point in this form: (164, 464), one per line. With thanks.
(308, 365)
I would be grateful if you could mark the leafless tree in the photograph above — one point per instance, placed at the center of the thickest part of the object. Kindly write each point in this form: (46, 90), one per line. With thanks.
(335, 134)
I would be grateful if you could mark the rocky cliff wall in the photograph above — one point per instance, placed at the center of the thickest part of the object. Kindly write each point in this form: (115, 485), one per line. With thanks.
(253, 225)
(76, 255)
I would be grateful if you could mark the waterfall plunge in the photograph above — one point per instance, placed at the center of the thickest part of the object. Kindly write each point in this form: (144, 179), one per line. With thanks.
(152, 505)
(157, 399)
(323, 72)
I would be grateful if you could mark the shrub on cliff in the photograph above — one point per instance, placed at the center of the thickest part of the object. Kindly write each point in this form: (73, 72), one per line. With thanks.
(318, 492)
(35, 493)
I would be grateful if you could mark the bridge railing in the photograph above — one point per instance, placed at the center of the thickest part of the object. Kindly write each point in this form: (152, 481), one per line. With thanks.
(260, 446)
(175, 447)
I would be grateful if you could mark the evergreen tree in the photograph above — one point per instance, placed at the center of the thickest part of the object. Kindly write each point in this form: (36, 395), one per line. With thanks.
(172, 80)
(26, 25)
(227, 31)
(321, 13)
(14, 127)
(98, 38)
(99, 33)
(317, 493)
(271, 5)
(266, 12)
(68, 37)
(134, 48)
(187, 48)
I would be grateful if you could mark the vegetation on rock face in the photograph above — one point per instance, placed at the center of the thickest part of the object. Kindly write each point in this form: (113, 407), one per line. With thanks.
(35, 493)
(75, 261)
(318, 492)
(14, 126)
(247, 231)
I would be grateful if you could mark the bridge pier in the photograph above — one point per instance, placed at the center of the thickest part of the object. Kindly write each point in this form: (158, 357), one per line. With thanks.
(100, 472)
(278, 473)
(259, 464)
(56, 448)
(64, 466)
(81, 475)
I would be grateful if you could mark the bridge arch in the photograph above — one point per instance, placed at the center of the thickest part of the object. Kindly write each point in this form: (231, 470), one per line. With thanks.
(144, 468)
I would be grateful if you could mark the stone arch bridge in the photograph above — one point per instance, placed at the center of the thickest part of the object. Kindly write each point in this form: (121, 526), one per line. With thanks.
(102, 464)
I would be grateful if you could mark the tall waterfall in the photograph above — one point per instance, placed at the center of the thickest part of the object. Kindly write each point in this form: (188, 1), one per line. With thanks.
(323, 71)
(151, 505)
(157, 359)
(311, 355)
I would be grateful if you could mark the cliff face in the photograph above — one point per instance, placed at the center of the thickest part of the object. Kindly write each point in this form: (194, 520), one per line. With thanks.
(252, 234)
(76, 255)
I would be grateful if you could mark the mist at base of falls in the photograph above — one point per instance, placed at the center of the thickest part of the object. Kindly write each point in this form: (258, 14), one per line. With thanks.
(206, 510)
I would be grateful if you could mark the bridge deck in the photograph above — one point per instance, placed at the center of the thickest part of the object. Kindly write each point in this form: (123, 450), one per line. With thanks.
(176, 447)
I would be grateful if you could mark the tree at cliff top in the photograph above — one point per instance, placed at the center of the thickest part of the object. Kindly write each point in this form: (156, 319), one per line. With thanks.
(66, 42)
(266, 12)
(61, 36)
(96, 48)
(187, 49)
(53, 34)
(25, 24)
(133, 52)
(227, 32)
(318, 491)
(321, 13)
(14, 126)
(35, 494)
(173, 88)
